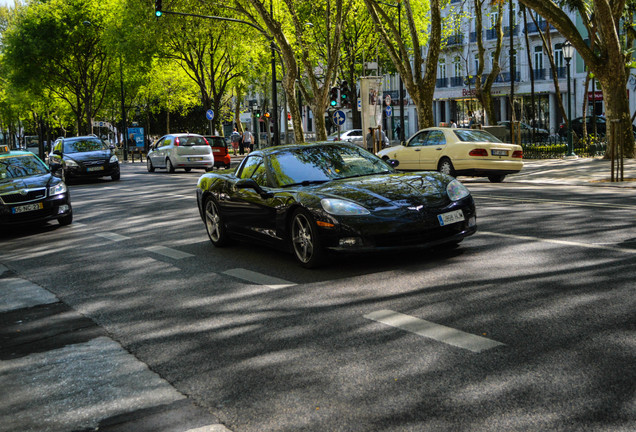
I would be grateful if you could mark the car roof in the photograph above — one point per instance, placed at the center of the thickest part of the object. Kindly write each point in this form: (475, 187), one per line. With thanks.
(287, 147)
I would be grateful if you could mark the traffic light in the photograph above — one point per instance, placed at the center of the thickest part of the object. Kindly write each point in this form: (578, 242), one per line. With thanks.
(158, 8)
(344, 93)
(288, 116)
(257, 113)
(267, 114)
(333, 98)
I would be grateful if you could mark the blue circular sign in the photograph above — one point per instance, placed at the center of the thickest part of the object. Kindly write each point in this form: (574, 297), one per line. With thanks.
(339, 118)
(209, 114)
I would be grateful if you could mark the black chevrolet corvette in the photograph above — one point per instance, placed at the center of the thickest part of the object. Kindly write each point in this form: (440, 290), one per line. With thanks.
(314, 198)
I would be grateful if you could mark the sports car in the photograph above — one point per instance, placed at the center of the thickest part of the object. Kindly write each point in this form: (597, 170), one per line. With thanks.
(468, 152)
(312, 199)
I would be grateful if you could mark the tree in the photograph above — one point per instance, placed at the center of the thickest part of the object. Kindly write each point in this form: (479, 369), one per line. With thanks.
(417, 73)
(604, 55)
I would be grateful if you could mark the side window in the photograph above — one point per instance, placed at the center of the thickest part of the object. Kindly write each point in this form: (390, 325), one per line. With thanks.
(435, 138)
(250, 166)
(419, 140)
(166, 142)
(260, 175)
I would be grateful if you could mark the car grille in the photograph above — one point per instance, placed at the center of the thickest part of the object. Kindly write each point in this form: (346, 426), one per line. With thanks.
(24, 196)
(91, 163)
(414, 238)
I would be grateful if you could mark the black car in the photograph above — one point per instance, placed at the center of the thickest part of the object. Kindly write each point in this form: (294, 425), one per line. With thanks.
(577, 126)
(310, 199)
(84, 157)
(29, 192)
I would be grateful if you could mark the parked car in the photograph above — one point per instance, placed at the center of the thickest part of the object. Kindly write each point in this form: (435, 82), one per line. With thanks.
(468, 152)
(577, 126)
(181, 150)
(313, 199)
(220, 149)
(29, 193)
(83, 157)
(353, 136)
(527, 131)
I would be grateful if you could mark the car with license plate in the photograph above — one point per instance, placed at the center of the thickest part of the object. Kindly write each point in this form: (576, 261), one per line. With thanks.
(180, 150)
(220, 151)
(322, 198)
(83, 157)
(457, 152)
(29, 193)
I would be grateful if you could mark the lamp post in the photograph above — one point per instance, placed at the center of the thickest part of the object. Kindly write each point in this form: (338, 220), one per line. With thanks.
(568, 52)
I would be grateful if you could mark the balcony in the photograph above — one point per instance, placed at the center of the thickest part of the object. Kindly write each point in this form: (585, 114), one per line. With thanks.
(441, 82)
(539, 74)
(505, 77)
(457, 81)
(561, 72)
(532, 27)
(457, 39)
(515, 30)
(472, 37)
(491, 34)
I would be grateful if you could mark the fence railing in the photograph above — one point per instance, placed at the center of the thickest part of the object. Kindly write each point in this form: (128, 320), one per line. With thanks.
(556, 146)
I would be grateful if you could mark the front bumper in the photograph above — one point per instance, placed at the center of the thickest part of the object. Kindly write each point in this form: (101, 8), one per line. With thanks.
(52, 208)
(93, 171)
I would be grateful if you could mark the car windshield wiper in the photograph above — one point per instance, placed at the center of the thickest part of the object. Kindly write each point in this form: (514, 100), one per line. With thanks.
(364, 175)
(307, 183)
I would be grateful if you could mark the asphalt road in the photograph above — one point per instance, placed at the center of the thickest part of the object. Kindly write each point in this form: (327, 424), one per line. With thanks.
(528, 325)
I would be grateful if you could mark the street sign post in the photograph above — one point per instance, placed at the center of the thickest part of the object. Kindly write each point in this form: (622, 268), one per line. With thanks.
(389, 111)
(209, 114)
(339, 118)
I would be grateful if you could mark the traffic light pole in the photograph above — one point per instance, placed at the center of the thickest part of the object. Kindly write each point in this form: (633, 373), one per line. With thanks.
(274, 87)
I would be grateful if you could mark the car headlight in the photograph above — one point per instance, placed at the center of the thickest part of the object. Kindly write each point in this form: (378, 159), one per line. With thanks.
(339, 207)
(456, 190)
(57, 189)
(71, 163)
(113, 159)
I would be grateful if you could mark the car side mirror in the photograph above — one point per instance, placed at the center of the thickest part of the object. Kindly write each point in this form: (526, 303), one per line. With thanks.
(403, 143)
(251, 184)
(393, 162)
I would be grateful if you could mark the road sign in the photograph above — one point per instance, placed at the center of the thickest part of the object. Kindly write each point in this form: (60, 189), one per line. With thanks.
(209, 114)
(339, 118)
(389, 111)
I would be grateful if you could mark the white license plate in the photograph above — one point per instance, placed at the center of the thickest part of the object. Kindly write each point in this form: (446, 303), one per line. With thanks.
(99, 168)
(26, 208)
(500, 152)
(195, 159)
(451, 217)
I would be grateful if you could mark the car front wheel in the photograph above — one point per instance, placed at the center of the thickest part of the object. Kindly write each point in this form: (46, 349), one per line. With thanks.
(169, 166)
(306, 240)
(149, 165)
(446, 167)
(214, 224)
(497, 178)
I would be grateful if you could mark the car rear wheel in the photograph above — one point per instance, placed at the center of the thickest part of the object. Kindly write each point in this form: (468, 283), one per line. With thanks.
(214, 224)
(116, 176)
(169, 166)
(149, 165)
(446, 167)
(306, 240)
(188, 169)
(497, 178)
(66, 220)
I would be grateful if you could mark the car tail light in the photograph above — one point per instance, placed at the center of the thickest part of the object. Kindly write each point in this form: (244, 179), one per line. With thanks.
(517, 154)
(478, 152)
(206, 141)
(176, 142)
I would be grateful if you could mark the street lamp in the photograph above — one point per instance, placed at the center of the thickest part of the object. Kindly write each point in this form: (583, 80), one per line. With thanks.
(568, 53)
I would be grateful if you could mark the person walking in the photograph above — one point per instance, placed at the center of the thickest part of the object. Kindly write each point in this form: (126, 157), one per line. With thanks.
(453, 125)
(369, 140)
(235, 137)
(247, 141)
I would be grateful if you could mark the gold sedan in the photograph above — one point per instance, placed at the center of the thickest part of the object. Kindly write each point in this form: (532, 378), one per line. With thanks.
(467, 152)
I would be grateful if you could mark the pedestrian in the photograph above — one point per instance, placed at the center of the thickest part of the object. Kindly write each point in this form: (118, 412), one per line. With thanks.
(247, 141)
(369, 140)
(471, 121)
(453, 125)
(235, 137)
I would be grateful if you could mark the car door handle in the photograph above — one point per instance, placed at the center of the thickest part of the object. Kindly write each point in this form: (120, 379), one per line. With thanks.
(418, 150)
(439, 148)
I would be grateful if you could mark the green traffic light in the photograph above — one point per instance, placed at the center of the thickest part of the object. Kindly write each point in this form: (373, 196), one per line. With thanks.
(333, 103)
(158, 13)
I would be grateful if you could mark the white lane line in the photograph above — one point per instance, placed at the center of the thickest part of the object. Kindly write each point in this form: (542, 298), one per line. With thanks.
(258, 278)
(168, 252)
(570, 203)
(112, 236)
(560, 242)
(440, 333)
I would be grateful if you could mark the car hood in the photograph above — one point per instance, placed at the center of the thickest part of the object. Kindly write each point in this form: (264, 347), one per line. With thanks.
(89, 156)
(400, 190)
(34, 182)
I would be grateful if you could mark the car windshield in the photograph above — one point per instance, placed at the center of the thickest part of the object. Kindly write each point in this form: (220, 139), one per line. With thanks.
(324, 163)
(21, 166)
(475, 135)
(81, 146)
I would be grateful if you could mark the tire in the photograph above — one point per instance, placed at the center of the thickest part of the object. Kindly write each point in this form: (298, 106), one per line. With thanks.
(305, 240)
(149, 165)
(66, 220)
(169, 166)
(188, 169)
(214, 223)
(496, 178)
(116, 176)
(446, 167)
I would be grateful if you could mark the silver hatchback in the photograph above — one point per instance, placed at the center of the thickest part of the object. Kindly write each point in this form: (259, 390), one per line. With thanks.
(180, 150)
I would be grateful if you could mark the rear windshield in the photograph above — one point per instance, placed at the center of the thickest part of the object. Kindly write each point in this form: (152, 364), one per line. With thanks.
(192, 141)
(217, 142)
(81, 146)
(475, 135)
(21, 166)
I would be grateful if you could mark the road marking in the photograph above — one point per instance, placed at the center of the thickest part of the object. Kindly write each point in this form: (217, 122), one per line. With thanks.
(17, 293)
(440, 333)
(259, 278)
(560, 242)
(570, 203)
(112, 236)
(168, 252)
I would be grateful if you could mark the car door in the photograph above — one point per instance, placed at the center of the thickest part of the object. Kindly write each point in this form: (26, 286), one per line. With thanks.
(409, 155)
(432, 150)
(153, 154)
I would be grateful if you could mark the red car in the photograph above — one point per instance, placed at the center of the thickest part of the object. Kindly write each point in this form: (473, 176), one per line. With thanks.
(220, 150)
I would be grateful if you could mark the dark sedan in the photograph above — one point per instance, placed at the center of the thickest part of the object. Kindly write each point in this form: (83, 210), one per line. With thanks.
(28, 191)
(311, 199)
(84, 157)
